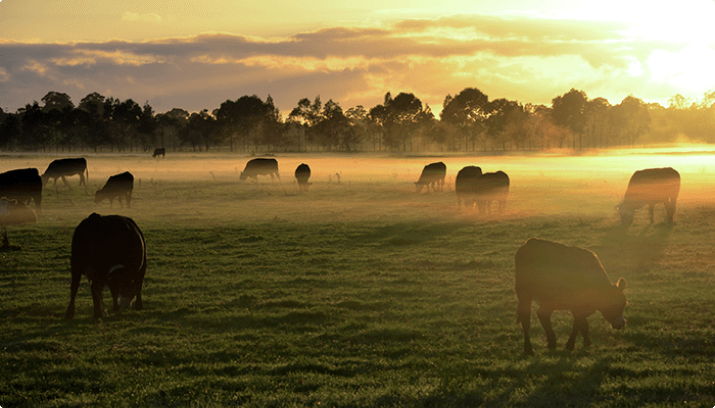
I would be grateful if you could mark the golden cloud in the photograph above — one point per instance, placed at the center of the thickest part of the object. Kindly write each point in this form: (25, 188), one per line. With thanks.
(142, 18)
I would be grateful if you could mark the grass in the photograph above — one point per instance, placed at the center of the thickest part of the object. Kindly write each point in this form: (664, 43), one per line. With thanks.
(358, 294)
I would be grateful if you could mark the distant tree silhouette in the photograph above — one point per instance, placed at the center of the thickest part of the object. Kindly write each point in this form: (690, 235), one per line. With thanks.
(467, 112)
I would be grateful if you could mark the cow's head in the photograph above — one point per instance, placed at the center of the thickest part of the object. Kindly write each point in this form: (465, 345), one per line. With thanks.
(613, 312)
(626, 213)
(117, 280)
(243, 176)
(98, 197)
(419, 186)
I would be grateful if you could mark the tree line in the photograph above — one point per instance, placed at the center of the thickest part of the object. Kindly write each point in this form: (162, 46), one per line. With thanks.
(469, 122)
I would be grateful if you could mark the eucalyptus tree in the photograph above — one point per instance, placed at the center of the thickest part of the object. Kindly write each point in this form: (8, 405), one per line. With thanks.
(631, 119)
(467, 112)
(569, 110)
(248, 120)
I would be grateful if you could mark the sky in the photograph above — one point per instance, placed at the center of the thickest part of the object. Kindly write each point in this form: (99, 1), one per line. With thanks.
(196, 55)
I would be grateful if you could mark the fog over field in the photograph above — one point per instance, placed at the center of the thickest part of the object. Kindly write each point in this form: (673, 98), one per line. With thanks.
(196, 186)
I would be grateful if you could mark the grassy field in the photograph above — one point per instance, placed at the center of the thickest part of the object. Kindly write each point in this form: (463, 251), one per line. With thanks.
(359, 293)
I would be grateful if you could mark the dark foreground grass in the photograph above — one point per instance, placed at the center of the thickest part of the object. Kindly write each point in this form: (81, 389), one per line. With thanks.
(398, 307)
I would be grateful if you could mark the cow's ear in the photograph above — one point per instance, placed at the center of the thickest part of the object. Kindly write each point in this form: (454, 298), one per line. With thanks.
(621, 284)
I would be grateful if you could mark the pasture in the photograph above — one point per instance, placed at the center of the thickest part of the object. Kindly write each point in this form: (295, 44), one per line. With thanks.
(359, 293)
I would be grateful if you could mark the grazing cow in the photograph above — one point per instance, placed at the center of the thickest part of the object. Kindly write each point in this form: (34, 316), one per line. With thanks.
(62, 168)
(492, 187)
(159, 152)
(14, 212)
(651, 187)
(22, 185)
(466, 186)
(110, 250)
(118, 186)
(560, 277)
(432, 176)
(302, 174)
(260, 167)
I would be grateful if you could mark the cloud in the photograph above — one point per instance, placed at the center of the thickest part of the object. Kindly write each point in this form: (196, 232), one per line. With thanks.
(522, 58)
(143, 18)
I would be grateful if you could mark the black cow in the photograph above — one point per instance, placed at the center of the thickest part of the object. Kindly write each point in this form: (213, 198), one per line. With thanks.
(492, 187)
(651, 187)
(118, 186)
(560, 277)
(466, 186)
(14, 212)
(260, 167)
(110, 250)
(22, 185)
(432, 176)
(62, 168)
(159, 152)
(302, 174)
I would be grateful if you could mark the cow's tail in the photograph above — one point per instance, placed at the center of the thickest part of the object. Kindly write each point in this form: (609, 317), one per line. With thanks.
(87, 171)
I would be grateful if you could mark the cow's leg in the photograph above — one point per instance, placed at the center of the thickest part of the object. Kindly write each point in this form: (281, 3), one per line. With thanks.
(115, 294)
(584, 333)
(76, 278)
(650, 208)
(111, 202)
(523, 315)
(670, 210)
(544, 315)
(64, 180)
(128, 197)
(97, 286)
(580, 325)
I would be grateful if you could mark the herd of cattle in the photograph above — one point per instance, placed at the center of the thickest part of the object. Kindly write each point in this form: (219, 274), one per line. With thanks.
(111, 251)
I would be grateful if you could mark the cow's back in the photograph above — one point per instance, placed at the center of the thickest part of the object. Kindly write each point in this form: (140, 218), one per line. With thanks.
(22, 185)
(100, 242)
(302, 173)
(433, 172)
(466, 180)
(552, 272)
(658, 184)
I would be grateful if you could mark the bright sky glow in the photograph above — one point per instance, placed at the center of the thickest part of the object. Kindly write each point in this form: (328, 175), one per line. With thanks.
(196, 55)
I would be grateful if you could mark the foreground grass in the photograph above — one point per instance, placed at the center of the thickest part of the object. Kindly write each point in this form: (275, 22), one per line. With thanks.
(355, 295)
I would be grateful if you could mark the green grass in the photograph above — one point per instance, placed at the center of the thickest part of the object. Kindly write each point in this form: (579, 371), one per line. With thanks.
(359, 294)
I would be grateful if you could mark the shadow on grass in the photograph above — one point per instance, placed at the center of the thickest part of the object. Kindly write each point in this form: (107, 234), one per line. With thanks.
(633, 253)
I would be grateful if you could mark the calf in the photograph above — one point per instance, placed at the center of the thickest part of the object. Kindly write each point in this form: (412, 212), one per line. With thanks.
(432, 176)
(159, 152)
(466, 186)
(260, 167)
(22, 185)
(118, 186)
(302, 174)
(109, 250)
(651, 187)
(492, 187)
(62, 168)
(560, 277)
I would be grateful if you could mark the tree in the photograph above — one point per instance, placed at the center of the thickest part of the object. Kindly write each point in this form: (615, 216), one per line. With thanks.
(200, 130)
(568, 111)
(597, 125)
(248, 118)
(467, 112)
(9, 131)
(57, 101)
(631, 118)
(399, 119)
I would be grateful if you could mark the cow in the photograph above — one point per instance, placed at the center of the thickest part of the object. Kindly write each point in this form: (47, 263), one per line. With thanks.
(23, 185)
(466, 186)
(62, 168)
(159, 152)
(432, 176)
(560, 277)
(14, 212)
(109, 250)
(260, 167)
(117, 186)
(492, 187)
(302, 174)
(650, 187)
